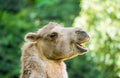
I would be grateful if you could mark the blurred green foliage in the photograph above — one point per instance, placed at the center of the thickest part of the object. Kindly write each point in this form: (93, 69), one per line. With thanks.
(101, 18)
(17, 17)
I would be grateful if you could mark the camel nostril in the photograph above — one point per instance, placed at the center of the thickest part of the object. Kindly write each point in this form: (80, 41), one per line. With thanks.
(82, 35)
(80, 32)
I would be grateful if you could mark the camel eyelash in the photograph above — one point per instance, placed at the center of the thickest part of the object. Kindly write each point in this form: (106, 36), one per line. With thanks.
(53, 35)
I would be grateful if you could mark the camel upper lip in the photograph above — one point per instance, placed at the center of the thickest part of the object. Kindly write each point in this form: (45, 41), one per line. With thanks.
(81, 47)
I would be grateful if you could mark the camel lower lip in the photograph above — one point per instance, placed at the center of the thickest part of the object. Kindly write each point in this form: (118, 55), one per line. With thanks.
(80, 47)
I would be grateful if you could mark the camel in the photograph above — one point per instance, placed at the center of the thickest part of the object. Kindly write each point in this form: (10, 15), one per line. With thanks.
(45, 50)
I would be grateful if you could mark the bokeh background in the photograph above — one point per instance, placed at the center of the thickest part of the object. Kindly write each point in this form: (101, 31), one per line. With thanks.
(100, 18)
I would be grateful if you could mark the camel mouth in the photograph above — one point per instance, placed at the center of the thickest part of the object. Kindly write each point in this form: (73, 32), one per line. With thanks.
(81, 47)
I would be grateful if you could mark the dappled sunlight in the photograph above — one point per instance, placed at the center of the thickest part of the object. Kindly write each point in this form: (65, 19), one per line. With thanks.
(101, 19)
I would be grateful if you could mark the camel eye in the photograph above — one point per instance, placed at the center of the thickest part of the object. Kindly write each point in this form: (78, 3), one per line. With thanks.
(53, 35)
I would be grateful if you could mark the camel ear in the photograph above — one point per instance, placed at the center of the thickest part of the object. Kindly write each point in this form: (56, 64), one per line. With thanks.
(31, 37)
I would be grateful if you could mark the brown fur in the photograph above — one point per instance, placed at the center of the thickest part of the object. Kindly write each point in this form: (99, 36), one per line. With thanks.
(44, 51)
